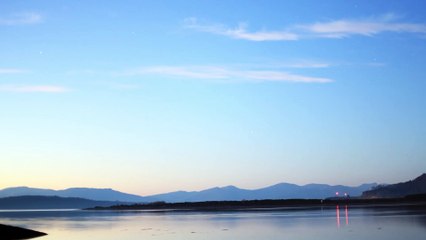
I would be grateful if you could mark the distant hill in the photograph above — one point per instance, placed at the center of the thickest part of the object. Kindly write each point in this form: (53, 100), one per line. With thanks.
(229, 193)
(278, 191)
(416, 186)
(87, 193)
(51, 202)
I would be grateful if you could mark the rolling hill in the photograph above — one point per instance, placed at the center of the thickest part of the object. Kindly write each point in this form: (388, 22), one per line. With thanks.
(51, 202)
(412, 187)
(228, 193)
(278, 191)
(97, 194)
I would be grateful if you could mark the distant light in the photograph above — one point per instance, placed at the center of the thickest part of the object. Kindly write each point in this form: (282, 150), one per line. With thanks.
(337, 193)
(346, 194)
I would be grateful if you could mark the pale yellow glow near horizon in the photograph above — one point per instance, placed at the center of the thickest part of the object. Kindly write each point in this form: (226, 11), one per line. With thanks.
(52, 170)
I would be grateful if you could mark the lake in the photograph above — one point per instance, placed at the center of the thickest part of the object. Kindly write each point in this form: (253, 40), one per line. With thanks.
(337, 222)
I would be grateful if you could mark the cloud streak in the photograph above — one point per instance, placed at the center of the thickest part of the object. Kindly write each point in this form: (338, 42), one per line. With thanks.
(240, 32)
(25, 18)
(306, 64)
(332, 29)
(225, 74)
(11, 71)
(33, 88)
(365, 27)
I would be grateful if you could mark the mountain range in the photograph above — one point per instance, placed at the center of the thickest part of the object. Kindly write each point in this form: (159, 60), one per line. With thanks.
(278, 191)
(229, 193)
(52, 202)
(412, 187)
(97, 194)
(28, 198)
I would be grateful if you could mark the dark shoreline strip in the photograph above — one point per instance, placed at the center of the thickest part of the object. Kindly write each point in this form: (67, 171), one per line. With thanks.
(416, 200)
(15, 233)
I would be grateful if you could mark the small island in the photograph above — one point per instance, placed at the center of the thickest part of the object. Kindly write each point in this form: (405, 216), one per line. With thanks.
(14, 233)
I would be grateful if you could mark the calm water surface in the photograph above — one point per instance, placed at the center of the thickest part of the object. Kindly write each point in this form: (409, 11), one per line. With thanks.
(340, 222)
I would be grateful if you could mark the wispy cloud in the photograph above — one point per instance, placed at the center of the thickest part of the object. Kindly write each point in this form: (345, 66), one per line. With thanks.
(240, 32)
(306, 64)
(202, 72)
(11, 70)
(366, 27)
(33, 88)
(331, 29)
(225, 74)
(24, 18)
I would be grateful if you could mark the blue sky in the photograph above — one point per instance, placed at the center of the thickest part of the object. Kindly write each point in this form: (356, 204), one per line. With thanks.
(156, 96)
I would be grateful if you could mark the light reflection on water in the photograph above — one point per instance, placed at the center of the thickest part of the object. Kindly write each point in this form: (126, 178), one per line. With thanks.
(316, 223)
(338, 215)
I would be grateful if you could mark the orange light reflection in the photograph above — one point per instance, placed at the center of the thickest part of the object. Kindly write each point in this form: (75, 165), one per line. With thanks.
(338, 216)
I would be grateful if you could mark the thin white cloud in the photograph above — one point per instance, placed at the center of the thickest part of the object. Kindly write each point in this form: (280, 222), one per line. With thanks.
(241, 32)
(225, 74)
(281, 77)
(202, 72)
(306, 64)
(366, 27)
(33, 88)
(331, 29)
(25, 18)
(11, 70)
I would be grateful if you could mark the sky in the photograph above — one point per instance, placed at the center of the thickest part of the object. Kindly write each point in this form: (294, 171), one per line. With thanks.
(156, 96)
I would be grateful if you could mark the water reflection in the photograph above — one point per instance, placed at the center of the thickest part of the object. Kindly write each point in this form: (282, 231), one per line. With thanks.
(338, 215)
(305, 224)
(346, 215)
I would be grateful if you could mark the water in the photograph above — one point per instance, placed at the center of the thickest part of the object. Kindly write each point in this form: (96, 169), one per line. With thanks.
(340, 222)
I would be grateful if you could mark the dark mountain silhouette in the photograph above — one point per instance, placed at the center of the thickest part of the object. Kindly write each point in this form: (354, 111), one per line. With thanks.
(412, 187)
(21, 191)
(278, 191)
(87, 193)
(51, 202)
(229, 193)
(106, 194)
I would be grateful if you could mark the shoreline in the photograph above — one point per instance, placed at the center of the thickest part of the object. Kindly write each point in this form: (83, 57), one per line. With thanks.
(13, 233)
(270, 205)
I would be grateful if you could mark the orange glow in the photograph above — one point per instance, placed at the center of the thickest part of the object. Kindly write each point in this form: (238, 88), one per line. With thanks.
(338, 216)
